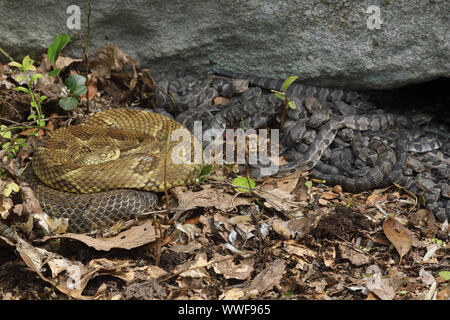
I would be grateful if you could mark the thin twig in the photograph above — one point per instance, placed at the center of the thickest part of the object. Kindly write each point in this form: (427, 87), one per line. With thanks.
(164, 211)
(6, 55)
(10, 121)
(165, 166)
(32, 122)
(86, 54)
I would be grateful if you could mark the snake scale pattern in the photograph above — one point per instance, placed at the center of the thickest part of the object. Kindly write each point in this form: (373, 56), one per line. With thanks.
(106, 167)
(339, 135)
(319, 135)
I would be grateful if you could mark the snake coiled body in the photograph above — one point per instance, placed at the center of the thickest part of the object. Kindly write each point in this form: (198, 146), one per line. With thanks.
(93, 165)
(409, 149)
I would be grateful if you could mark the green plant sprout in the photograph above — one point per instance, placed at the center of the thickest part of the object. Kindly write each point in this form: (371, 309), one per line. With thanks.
(243, 184)
(75, 84)
(27, 67)
(13, 143)
(287, 102)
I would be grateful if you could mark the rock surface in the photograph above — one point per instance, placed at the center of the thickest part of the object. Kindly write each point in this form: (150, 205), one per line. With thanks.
(324, 42)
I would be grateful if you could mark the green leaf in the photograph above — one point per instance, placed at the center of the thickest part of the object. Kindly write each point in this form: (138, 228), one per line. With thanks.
(20, 78)
(291, 104)
(20, 141)
(74, 82)
(205, 170)
(54, 73)
(5, 133)
(33, 104)
(31, 116)
(34, 133)
(6, 145)
(57, 46)
(27, 64)
(79, 91)
(243, 182)
(15, 64)
(22, 89)
(42, 98)
(287, 294)
(40, 123)
(68, 103)
(288, 82)
(308, 184)
(35, 77)
(280, 95)
(444, 275)
(12, 186)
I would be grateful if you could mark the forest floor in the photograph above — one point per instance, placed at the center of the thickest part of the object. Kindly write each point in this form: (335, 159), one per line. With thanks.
(291, 238)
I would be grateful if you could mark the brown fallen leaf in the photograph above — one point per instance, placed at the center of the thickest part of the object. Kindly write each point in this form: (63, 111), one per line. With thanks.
(6, 203)
(129, 239)
(109, 59)
(297, 228)
(226, 267)
(154, 271)
(194, 268)
(49, 86)
(93, 88)
(281, 196)
(186, 248)
(189, 199)
(444, 294)
(354, 256)
(30, 202)
(232, 294)
(70, 277)
(329, 256)
(266, 279)
(328, 195)
(425, 221)
(221, 101)
(375, 197)
(62, 62)
(381, 287)
(371, 296)
(299, 250)
(399, 236)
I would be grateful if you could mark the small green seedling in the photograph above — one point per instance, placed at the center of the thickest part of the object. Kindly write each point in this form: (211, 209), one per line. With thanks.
(444, 275)
(12, 143)
(75, 84)
(287, 102)
(204, 173)
(12, 186)
(27, 67)
(308, 185)
(244, 184)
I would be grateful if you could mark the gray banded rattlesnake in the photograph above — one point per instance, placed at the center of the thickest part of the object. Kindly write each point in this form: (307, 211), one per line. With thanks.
(310, 133)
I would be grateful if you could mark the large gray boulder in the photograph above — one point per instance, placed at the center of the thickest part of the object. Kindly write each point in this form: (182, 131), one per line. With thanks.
(324, 42)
